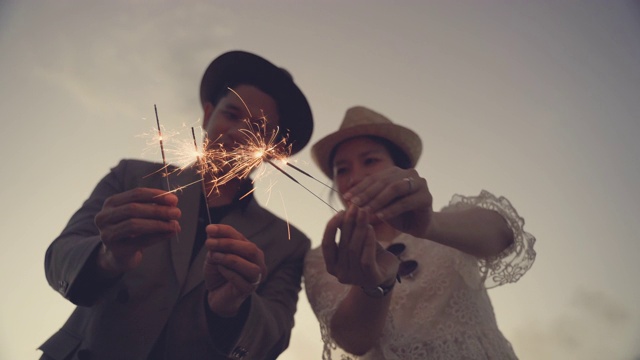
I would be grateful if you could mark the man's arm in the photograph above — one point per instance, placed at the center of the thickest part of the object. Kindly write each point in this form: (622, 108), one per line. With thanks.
(113, 223)
(261, 329)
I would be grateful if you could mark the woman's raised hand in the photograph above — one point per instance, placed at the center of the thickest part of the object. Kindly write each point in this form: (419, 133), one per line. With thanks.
(397, 196)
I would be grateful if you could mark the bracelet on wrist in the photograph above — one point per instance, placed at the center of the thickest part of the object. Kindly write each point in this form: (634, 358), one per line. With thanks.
(380, 290)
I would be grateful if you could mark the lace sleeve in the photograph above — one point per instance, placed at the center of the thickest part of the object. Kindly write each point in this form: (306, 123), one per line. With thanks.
(324, 292)
(514, 261)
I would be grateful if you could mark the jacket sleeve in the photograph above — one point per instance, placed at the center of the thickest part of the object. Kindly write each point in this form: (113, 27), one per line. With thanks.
(270, 319)
(70, 260)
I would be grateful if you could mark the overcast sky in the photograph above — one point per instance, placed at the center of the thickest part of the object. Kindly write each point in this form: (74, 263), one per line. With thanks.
(537, 101)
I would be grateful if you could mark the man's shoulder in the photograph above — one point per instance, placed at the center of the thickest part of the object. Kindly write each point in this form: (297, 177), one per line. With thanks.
(133, 164)
(137, 173)
(138, 167)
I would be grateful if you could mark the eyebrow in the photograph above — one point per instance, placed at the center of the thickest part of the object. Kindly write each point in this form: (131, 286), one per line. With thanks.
(231, 106)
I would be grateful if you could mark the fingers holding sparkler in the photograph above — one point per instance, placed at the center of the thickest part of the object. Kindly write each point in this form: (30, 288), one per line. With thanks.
(131, 221)
(233, 269)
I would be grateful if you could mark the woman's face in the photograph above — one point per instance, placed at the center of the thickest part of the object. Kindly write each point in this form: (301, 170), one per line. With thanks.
(357, 158)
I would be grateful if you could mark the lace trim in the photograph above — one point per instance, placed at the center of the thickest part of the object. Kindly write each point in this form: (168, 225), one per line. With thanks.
(510, 265)
(324, 294)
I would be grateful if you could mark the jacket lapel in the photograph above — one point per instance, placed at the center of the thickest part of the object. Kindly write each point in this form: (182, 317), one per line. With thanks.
(189, 204)
(249, 222)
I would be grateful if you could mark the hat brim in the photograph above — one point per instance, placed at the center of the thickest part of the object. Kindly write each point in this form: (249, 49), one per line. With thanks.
(406, 140)
(296, 120)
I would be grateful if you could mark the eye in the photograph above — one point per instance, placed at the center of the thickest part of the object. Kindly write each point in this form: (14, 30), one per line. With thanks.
(340, 170)
(371, 160)
(232, 115)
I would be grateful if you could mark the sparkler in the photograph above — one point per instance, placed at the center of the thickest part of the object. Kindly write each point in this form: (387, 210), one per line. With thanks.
(297, 182)
(217, 166)
(261, 147)
(309, 175)
(164, 159)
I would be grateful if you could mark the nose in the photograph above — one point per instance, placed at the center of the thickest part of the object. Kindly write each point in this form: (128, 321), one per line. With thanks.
(356, 176)
(239, 130)
(352, 181)
(232, 136)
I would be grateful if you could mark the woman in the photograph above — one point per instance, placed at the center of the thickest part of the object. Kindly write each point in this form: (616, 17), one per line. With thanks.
(404, 281)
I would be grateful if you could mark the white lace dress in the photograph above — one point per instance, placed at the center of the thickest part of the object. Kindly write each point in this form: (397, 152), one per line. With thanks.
(443, 311)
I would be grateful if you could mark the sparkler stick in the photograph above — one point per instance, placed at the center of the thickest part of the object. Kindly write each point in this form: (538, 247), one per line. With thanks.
(202, 170)
(164, 159)
(297, 182)
(309, 175)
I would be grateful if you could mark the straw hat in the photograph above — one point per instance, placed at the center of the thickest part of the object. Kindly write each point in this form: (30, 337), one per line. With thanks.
(361, 121)
(235, 67)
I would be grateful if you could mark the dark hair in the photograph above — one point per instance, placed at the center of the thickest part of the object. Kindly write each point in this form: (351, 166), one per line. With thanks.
(399, 157)
(215, 97)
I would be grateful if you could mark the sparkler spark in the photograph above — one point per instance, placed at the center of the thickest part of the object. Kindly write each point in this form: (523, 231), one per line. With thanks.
(260, 143)
(297, 182)
(202, 164)
(287, 218)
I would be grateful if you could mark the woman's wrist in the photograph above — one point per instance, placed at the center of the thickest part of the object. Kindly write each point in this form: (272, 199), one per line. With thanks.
(381, 290)
(431, 230)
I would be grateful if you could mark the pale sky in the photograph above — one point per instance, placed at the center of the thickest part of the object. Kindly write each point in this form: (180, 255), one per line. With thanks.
(534, 100)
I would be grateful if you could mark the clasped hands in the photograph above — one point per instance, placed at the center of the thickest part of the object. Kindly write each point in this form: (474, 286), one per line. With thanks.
(396, 196)
(399, 197)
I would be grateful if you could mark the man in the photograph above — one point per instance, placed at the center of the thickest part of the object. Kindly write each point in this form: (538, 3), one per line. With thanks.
(227, 290)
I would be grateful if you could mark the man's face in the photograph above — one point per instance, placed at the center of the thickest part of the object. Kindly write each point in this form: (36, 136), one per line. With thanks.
(223, 121)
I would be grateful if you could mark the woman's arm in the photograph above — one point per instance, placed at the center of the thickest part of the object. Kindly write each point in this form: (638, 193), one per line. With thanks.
(402, 199)
(359, 320)
(360, 261)
(480, 232)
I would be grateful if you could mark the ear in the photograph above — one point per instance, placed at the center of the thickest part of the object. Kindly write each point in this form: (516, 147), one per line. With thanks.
(208, 111)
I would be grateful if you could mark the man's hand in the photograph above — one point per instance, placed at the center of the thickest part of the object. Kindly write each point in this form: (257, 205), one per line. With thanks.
(131, 221)
(233, 269)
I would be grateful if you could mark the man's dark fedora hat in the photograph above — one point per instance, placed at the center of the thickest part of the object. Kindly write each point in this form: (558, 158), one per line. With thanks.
(241, 67)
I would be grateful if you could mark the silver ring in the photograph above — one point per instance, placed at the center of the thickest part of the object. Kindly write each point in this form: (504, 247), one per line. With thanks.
(410, 181)
(257, 282)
